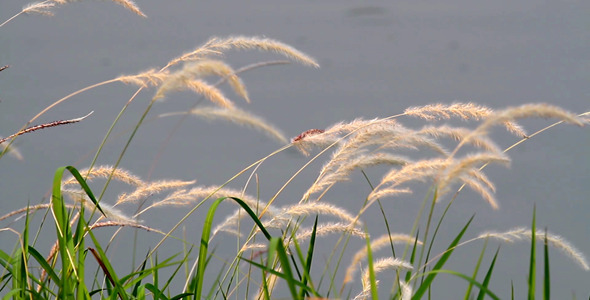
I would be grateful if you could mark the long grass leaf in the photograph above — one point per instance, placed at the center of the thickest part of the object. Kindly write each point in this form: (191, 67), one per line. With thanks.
(276, 246)
(44, 265)
(546, 275)
(157, 294)
(465, 277)
(442, 260)
(413, 255)
(64, 236)
(307, 268)
(207, 233)
(275, 273)
(476, 269)
(532, 259)
(486, 280)
(104, 263)
(372, 279)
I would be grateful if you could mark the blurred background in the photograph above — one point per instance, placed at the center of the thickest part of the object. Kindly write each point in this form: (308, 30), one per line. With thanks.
(377, 58)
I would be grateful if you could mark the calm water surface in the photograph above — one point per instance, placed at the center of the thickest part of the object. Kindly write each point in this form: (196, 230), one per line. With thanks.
(376, 58)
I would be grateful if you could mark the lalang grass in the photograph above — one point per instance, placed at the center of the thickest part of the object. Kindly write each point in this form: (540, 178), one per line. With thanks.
(278, 243)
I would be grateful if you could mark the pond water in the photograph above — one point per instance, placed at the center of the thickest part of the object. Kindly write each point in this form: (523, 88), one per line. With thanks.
(377, 58)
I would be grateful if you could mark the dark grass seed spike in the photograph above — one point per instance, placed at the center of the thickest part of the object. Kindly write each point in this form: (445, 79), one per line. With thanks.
(307, 133)
(43, 126)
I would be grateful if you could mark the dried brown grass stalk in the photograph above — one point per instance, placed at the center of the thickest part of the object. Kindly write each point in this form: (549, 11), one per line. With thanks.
(28, 209)
(44, 126)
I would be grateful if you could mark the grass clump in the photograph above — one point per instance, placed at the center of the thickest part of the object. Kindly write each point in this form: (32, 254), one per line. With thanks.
(275, 255)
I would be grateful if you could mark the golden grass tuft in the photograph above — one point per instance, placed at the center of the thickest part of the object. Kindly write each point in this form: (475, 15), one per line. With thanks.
(104, 172)
(465, 111)
(376, 244)
(236, 116)
(42, 8)
(556, 241)
(384, 264)
(148, 78)
(151, 188)
(216, 46)
(130, 5)
(180, 81)
(208, 67)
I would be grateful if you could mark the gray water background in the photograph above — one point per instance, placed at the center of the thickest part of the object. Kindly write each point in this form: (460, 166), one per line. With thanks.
(377, 58)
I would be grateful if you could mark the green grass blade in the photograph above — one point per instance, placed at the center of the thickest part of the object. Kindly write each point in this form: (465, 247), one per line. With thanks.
(442, 260)
(206, 234)
(220, 288)
(181, 296)
(157, 294)
(372, 279)
(156, 277)
(64, 236)
(85, 187)
(43, 263)
(476, 269)
(274, 272)
(546, 275)
(180, 263)
(276, 247)
(82, 291)
(486, 280)
(66, 241)
(135, 291)
(463, 276)
(413, 255)
(532, 264)
(104, 263)
(307, 268)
